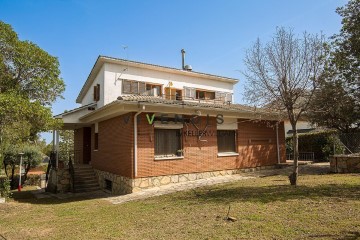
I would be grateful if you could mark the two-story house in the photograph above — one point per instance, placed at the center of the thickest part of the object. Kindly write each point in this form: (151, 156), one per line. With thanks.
(143, 125)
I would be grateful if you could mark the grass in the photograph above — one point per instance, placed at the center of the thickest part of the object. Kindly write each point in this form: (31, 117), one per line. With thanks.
(321, 207)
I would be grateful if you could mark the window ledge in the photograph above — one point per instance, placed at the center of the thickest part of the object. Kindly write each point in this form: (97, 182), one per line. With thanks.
(227, 154)
(168, 158)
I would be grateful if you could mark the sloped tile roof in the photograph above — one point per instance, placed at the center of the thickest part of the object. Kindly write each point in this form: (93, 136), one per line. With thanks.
(195, 103)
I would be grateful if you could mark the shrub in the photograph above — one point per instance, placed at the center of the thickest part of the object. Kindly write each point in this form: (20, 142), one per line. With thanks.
(321, 143)
(5, 189)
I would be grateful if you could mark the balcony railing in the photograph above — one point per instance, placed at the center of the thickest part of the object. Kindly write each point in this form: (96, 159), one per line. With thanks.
(191, 99)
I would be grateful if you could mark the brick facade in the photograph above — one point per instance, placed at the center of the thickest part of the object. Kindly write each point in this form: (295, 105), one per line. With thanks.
(115, 151)
(256, 145)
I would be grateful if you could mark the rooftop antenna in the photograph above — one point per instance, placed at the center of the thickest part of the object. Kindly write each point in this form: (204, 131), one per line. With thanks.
(125, 47)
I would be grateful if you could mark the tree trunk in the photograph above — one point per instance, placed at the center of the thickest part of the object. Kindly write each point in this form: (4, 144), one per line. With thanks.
(294, 175)
(12, 185)
(27, 169)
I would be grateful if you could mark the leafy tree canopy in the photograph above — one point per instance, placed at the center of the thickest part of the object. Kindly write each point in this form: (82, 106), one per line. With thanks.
(27, 69)
(29, 83)
(337, 100)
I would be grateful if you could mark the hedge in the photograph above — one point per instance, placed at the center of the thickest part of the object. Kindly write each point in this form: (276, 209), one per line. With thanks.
(320, 143)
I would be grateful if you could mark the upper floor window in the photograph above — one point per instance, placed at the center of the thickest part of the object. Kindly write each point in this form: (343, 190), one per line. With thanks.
(206, 95)
(153, 89)
(97, 92)
(138, 87)
(189, 93)
(173, 93)
(133, 87)
(193, 93)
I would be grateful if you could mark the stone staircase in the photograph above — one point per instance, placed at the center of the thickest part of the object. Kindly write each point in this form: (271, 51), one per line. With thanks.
(84, 179)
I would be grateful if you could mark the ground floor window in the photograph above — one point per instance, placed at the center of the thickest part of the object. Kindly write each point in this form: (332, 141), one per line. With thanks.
(226, 141)
(168, 143)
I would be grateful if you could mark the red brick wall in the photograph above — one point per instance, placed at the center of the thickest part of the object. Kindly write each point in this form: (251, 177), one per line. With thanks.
(254, 146)
(202, 156)
(78, 145)
(115, 151)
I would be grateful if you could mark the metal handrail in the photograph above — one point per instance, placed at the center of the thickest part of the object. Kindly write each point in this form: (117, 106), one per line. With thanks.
(304, 156)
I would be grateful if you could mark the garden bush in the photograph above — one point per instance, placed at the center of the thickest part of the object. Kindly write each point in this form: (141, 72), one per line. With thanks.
(320, 143)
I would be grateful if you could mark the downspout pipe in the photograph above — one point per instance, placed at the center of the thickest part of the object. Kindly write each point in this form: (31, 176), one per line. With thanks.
(135, 139)
(277, 142)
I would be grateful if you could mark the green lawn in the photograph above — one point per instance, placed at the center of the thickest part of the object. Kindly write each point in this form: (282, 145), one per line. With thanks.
(321, 207)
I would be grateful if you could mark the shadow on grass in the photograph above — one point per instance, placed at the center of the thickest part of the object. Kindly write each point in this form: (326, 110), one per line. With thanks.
(346, 236)
(48, 198)
(267, 194)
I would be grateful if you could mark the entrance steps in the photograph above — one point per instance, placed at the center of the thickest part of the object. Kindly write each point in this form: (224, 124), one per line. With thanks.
(85, 179)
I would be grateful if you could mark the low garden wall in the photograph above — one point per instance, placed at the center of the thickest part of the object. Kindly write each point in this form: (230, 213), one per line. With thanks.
(345, 163)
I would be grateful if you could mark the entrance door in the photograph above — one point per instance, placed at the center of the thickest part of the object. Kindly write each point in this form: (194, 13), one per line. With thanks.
(87, 145)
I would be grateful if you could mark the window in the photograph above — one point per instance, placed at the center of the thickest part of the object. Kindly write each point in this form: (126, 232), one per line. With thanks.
(226, 141)
(96, 141)
(189, 93)
(150, 87)
(168, 143)
(108, 185)
(133, 87)
(97, 92)
(206, 95)
(173, 93)
(223, 97)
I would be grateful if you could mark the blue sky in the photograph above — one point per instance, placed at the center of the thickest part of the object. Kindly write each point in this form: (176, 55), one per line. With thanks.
(215, 34)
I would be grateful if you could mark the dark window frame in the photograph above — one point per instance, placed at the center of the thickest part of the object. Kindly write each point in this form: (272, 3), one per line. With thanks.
(227, 141)
(164, 146)
(97, 92)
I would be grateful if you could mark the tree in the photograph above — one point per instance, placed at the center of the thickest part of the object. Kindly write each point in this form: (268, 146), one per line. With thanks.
(29, 83)
(66, 145)
(32, 157)
(337, 101)
(334, 107)
(283, 74)
(346, 47)
(27, 69)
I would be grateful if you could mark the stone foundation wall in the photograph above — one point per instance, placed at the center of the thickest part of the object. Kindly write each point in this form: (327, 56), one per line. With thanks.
(59, 181)
(120, 184)
(345, 164)
(124, 185)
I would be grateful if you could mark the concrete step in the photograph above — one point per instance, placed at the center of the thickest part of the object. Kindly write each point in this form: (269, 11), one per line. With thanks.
(92, 181)
(84, 170)
(86, 189)
(90, 184)
(82, 166)
(80, 175)
(84, 177)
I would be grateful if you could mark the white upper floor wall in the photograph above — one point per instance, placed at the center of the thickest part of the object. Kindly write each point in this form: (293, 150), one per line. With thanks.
(114, 77)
